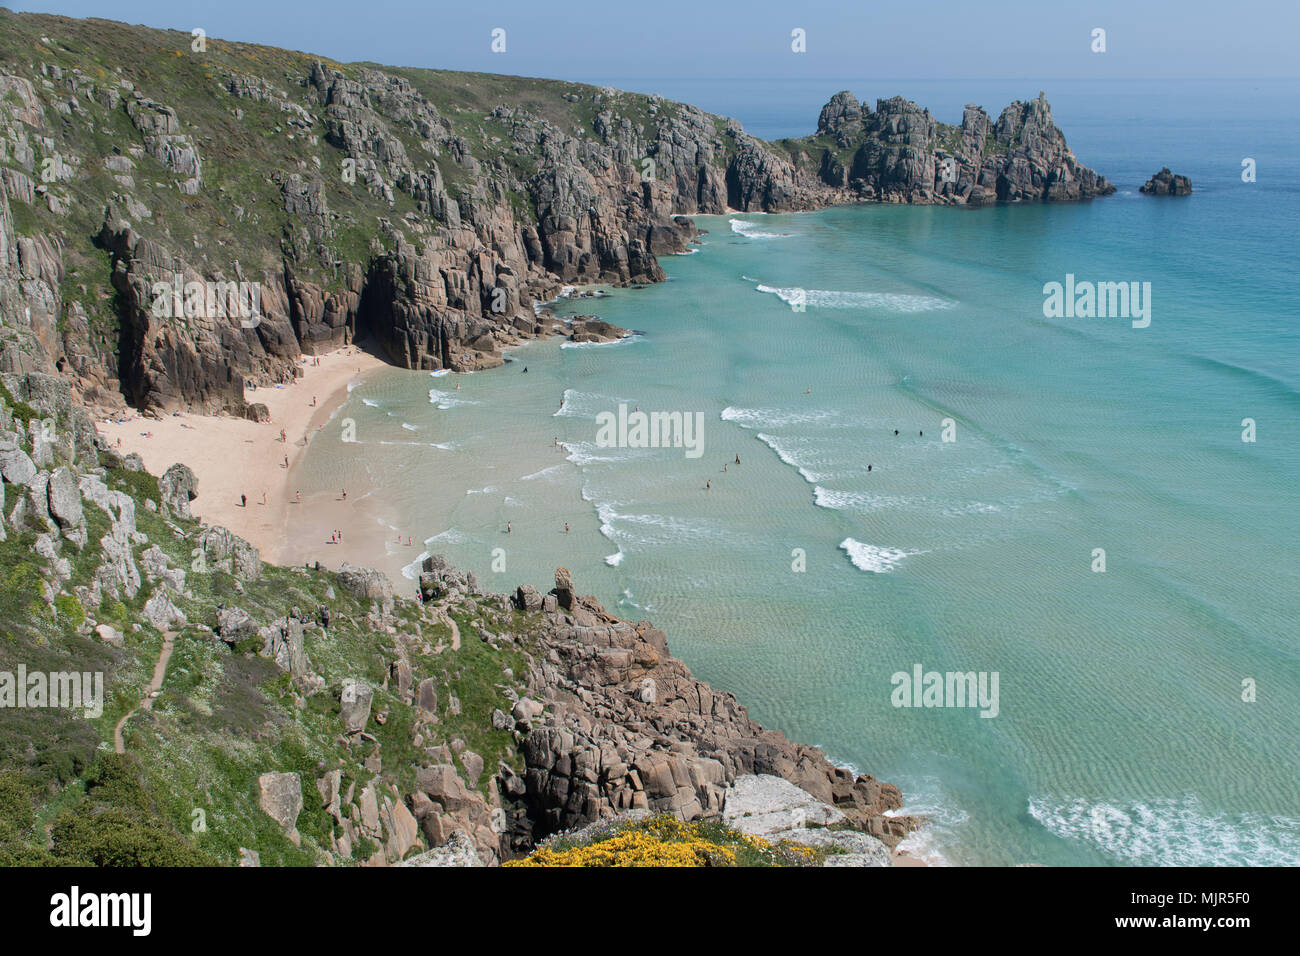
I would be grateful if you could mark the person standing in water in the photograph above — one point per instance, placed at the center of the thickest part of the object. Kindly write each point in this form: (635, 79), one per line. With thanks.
(737, 459)
(566, 527)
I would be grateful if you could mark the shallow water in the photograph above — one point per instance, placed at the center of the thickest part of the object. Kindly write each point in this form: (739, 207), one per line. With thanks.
(802, 581)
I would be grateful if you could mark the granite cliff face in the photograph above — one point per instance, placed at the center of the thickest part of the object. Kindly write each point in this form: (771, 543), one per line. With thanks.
(899, 153)
(431, 213)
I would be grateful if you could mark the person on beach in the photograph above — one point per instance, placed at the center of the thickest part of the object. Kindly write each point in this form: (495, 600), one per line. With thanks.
(243, 501)
(345, 494)
(284, 438)
(313, 401)
(286, 461)
(508, 528)
(297, 497)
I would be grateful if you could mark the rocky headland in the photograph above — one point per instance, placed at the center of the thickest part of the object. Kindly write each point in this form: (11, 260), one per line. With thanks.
(176, 226)
(432, 215)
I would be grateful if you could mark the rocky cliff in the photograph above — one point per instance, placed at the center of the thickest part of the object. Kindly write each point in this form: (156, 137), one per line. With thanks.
(297, 716)
(192, 219)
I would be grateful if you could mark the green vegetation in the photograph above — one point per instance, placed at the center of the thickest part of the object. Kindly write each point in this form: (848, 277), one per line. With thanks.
(663, 840)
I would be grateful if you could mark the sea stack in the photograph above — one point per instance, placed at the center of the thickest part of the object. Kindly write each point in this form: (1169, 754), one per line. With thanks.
(1166, 183)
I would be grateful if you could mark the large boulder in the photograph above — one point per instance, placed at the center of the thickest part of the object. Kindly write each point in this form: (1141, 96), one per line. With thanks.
(65, 498)
(365, 584)
(354, 704)
(766, 806)
(178, 486)
(161, 612)
(281, 799)
(220, 548)
(234, 625)
(16, 467)
(564, 587)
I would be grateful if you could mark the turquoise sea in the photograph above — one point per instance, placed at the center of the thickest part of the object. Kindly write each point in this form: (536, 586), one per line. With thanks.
(1122, 736)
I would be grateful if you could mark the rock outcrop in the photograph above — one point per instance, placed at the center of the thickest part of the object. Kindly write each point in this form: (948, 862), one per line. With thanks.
(596, 744)
(1166, 183)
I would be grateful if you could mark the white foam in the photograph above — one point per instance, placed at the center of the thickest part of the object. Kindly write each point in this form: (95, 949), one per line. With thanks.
(1167, 832)
(864, 502)
(614, 560)
(587, 404)
(445, 446)
(482, 491)
(439, 373)
(752, 230)
(409, 427)
(450, 536)
(584, 453)
(941, 819)
(831, 299)
(873, 558)
(370, 402)
(446, 400)
(773, 418)
(543, 473)
(782, 449)
(842, 500)
(412, 570)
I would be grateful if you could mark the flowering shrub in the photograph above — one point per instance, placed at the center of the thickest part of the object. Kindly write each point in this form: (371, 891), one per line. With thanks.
(668, 841)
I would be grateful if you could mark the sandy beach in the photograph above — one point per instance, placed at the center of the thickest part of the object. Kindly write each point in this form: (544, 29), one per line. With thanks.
(233, 457)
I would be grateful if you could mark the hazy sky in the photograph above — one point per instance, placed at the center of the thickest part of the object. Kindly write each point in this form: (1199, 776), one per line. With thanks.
(682, 39)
